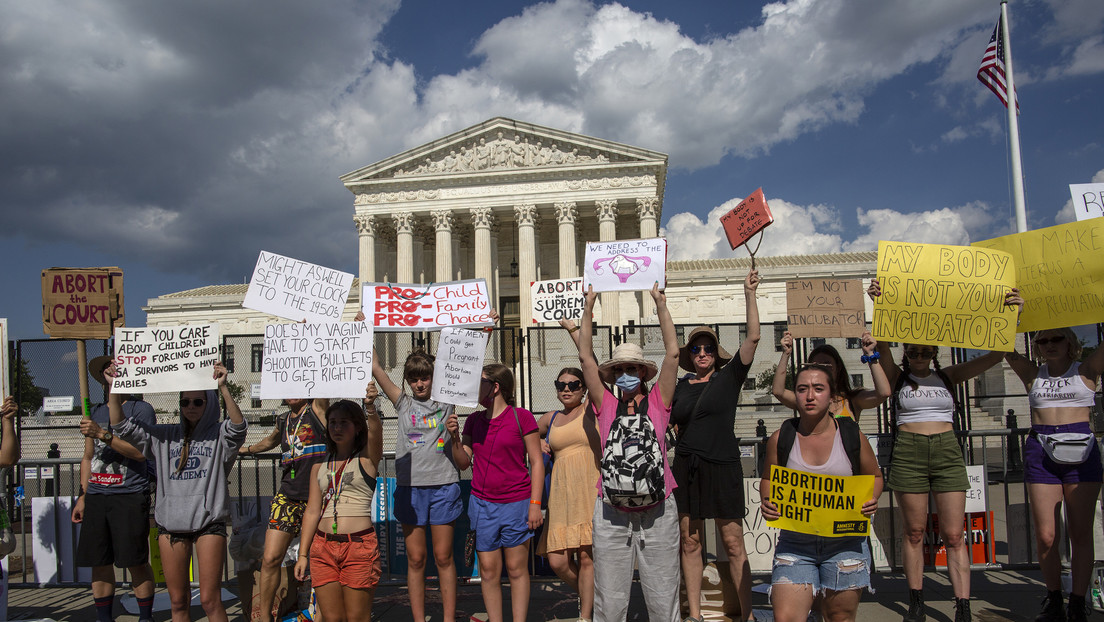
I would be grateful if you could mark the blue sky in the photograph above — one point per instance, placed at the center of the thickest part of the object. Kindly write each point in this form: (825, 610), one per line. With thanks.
(178, 139)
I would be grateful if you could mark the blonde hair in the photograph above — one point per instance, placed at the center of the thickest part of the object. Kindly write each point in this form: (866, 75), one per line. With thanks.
(1072, 342)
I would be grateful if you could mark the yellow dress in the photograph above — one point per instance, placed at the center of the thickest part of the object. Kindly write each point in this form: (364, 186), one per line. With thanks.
(574, 485)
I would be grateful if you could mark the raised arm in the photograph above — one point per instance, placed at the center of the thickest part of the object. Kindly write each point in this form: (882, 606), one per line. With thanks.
(668, 372)
(589, 364)
(871, 398)
(1091, 367)
(374, 448)
(778, 389)
(572, 330)
(9, 446)
(389, 388)
(232, 409)
(751, 306)
(892, 371)
(968, 369)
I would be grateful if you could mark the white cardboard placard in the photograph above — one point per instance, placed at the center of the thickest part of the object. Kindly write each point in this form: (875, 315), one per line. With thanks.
(166, 358)
(555, 300)
(297, 290)
(1088, 200)
(625, 265)
(459, 366)
(332, 359)
(412, 307)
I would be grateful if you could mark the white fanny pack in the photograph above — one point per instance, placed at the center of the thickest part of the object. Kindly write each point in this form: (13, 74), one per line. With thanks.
(1067, 447)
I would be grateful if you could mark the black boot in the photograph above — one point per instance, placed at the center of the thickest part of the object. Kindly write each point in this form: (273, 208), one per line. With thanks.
(1076, 609)
(1052, 608)
(962, 610)
(916, 607)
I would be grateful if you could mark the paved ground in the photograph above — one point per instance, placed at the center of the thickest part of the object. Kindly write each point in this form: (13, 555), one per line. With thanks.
(998, 596)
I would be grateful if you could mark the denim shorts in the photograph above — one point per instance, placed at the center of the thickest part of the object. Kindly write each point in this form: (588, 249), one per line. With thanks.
(1040, 469)
(428, 505)
(499, 525)
(836, 564)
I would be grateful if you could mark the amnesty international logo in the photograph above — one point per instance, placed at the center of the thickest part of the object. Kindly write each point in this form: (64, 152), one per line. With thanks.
(850, 527)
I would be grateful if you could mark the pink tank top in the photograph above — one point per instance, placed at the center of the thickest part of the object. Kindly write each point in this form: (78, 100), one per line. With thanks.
(837, 464)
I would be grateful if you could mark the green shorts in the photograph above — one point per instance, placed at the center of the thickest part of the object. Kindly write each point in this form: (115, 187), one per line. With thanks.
(923, 463)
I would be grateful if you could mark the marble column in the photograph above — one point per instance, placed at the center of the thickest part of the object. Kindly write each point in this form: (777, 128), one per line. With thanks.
(404, 247)
(607, 232)
(647, 208)
(366, 236)
(482, 219)
(442, 223)
(526, 217)
(566, 214)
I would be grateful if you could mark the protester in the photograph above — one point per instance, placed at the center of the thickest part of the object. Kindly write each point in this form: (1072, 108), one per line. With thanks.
(194, 459)
(851, 401)
(114, 506)
(707, 468)
(928, 461)
(571, 439)
(504, 507)
(1062, 461)
(338, 549)
(805, 566)
(301, 437)
(635, 517)
(9, 440)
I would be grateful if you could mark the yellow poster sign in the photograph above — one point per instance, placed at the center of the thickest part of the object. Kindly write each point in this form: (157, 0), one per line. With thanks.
(945, 296)
(1060, 273)
(821, 505)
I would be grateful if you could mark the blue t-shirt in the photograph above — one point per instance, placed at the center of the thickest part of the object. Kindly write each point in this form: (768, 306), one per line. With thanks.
(112, 473)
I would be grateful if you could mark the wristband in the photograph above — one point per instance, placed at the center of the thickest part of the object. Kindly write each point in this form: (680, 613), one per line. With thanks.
(870, 358)
(532, 502)
(572, 329)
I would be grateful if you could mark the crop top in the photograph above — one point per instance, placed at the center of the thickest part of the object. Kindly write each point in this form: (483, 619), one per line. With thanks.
(837, 464)
(1067, 390)
(930, 401)
(354, 496)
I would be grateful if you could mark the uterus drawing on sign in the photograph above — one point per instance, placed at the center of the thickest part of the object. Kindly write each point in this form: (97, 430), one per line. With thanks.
(623, 266)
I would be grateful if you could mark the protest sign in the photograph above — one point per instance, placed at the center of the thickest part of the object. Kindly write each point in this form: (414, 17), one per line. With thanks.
(57, 404)
(459, 366)
(414, 307)
(821, 505)
(1060, 273)
(557, 300)
(746, 219)
(5, 371)
(166, 358)
(309, 360)
(1088, 200)
(297, 290)
(625, 265)
(825, 308)
(82, 303)
(760, 536)
(944, 295)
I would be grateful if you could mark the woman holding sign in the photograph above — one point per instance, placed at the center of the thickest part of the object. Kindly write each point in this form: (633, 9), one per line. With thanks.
(927, 459)
(851, 401)
(1061, 460)
(806, 565)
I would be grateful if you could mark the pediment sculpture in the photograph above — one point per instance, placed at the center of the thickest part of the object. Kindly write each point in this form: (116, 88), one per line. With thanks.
(503, 153)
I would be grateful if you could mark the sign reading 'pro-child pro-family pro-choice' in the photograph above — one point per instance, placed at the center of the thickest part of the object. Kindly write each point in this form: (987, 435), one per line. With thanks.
(417, 307)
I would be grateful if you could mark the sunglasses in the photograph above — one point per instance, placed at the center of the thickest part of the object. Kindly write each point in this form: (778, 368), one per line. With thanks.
(197, 402)
(708, 349)
(1043, 341)
(825, 367)
(572, 386)
(919, 354)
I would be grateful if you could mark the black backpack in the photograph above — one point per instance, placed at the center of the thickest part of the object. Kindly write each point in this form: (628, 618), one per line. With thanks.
(632, 461)
(849, 433)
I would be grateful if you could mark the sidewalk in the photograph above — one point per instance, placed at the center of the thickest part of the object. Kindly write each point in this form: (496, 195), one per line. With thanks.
(997, 596)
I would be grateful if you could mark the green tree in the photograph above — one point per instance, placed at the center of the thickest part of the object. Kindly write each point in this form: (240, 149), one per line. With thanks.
(22, 384)
(236, 390)
(765, 380)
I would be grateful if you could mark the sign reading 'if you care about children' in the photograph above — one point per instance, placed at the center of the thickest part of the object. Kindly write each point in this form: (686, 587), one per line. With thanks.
(166, 358)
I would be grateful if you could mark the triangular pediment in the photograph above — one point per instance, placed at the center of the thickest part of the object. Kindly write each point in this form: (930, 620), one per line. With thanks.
(501, 145)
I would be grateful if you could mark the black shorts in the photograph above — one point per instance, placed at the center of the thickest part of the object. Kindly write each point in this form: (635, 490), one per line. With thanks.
(217, 528)
(708, 489)
(115, 530)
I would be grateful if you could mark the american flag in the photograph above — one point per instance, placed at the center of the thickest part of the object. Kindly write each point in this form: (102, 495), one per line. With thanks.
(991, 72)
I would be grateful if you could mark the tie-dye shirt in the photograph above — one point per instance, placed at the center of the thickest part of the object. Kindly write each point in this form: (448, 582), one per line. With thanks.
(422, 457)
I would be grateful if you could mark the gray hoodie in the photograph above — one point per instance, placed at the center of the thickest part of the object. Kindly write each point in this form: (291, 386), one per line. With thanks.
(197, 495)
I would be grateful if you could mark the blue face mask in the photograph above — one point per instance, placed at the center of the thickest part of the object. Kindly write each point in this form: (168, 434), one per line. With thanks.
(627, 382)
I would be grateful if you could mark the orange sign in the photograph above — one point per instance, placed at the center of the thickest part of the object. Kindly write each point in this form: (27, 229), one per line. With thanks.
(979, 539)
(746, 219)
(82, 303)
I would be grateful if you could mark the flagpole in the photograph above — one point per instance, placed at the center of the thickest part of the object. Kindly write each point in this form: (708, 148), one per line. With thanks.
(1013, 126)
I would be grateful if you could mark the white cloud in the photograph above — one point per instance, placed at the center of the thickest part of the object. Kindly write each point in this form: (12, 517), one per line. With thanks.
(1066, 215)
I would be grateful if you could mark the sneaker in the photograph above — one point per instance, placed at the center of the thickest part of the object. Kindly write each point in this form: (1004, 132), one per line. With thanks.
(1052, 608)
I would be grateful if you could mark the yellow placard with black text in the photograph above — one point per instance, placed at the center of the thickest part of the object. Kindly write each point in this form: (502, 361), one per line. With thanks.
(942, 295)
(820, 505)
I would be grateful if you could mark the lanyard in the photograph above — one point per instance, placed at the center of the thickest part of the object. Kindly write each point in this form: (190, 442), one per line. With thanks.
(334, 490)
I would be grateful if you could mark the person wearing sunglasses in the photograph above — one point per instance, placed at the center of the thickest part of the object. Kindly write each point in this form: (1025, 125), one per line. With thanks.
(194, 458)
(850, 401)
(927, 459)
(707, 466)
(571, 438)
(1062, 462)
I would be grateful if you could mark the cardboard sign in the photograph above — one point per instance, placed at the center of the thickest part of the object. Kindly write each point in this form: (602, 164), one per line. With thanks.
(297, 290)
(413, 307)
(821, 505)
(459, 366)
(746, 219)
(82, 303)
(561, 299)
(945, 296)
(167, 358)
(1088, 200)
(625, 265)
(1060, 273)
(306, 361)
(760, 536)
(57, 404)
(825, 308)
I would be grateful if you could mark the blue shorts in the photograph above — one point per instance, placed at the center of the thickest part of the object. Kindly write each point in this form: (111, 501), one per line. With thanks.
(836, 564)
(499, 525)
(428, 505)
(1040, 469)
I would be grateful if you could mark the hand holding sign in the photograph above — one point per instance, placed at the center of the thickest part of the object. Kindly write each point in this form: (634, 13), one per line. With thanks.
(625, 265)
(745, 220)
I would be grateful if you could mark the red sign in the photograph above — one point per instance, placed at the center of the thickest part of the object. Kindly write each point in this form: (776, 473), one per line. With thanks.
(746, 219)
(979, 537)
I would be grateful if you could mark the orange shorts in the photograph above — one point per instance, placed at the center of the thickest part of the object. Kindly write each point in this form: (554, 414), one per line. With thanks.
(351, 559)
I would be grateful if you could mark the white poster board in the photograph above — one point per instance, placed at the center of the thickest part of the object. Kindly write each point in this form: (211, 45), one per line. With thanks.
(332, 359)
(1088, 200)
(412, 307)
(166, 358)
(55, 538)
(559, 299)
(459, 366)
(625, 265)
(977, 497)
(297, 290)
(5, 371)
(760, 538)
(57, 404)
